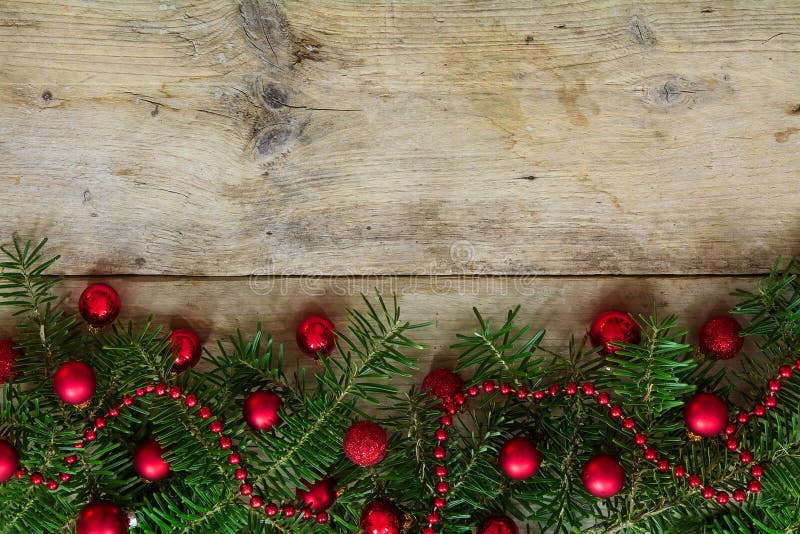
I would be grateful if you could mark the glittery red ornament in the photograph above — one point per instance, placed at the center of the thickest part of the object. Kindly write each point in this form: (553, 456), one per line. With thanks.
(8, 355)
(519, 458)
(381, 517)
(498, 524)
(613, 326)
(148, 462)
(319, 496)
(315, 336)
(102, 517)
(74, 382)
(186, 347)
(365, 443)
(602, 476)
(261, 410)
(99, 305)
(442, 383)
(705, 414)
(719, 337)
(9, 460)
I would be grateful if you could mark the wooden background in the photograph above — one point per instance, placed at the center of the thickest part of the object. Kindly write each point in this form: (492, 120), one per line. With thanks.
(224, 162)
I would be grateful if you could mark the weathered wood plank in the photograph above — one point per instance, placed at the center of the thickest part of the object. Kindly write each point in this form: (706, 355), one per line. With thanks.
(218, 138)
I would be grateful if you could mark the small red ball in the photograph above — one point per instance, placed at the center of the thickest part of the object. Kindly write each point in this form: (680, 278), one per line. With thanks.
(442, 383)
(381, 517)
(99, 305)
(319, 496)
(9, 460)
(365, 443)
(102, 517)
(148, 462)
(8, 355)
(186, 347)
(602, 476)
(261, 410)
(613, 326)
(705, 414)
(74, 382)
(719, 337)
(498, 524)
(315, 335)
(519, 459)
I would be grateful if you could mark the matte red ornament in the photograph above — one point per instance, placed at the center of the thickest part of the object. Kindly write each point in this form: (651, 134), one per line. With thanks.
(148, 462)
(602, 476)
(365, 443)
(613, 326)
(319, 496)
(99, 305)
(261, 410)
(9, 460)
(498, 524)
(315, 336)
(381, 517)
(705, 414)
(102, 517)
(8, 355)
(442, 383)
(519, 458)
(74, 382)
(719, 337)
(186, 347)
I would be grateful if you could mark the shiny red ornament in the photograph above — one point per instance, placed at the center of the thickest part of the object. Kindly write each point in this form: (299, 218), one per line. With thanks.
(315, 336)
(613, 326)
(705, 414)
(442, 383)
(365, 443)
(102, 517)
(519, 459)
(8, 355)
(261, 410)
(186, 347)
(381, 517)
(602, 476)
(719, 337)
(99, 305)
(319, 496)
(148, 461)
(74, 382)
(498, 524)
(9, 460)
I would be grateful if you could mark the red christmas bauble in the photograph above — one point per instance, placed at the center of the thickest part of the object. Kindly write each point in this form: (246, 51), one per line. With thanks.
(8, 355)
(102, 517)
(602, 476)
(613, 326)
(148, 462)
(519, 458)
(719, 337)
(261, 410)
(365, 443)
(319, 496)
(315, 336)
(381, 517)
(74, 382)
(9, 460)
(705, 414)
(498, 524)
(442, 383)
(99, 305)
(186, 347)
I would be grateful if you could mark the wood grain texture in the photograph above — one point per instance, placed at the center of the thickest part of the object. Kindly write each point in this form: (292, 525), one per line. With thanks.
(338, 137)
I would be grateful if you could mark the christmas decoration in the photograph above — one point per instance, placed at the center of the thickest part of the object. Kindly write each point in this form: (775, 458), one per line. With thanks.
(705, 414)
(365, 443)
(719, 337)
(148, 461)
(315, 336)
(99, 305)
(611, 327)
(442, 383)
(102, 517)
(8, 355)
(261, 409)
(187, 348)
(319, 496)
(602, 476)
(9, 460)
(74, 383)
(381, 517)
(498, 524)
(519, 458)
